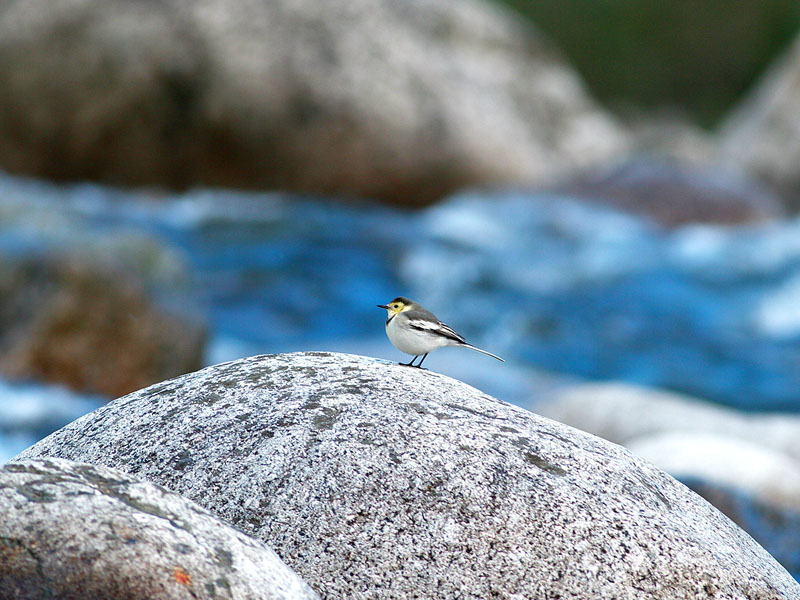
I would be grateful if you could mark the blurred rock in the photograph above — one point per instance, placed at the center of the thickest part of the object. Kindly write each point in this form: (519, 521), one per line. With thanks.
(376, 480)
(753, 455)
(399, 101)
(765, 474)
(72, 530)
(675, 193)
(772, 526)
(94, 329)
(621, 412)
(663, 132)
(762, 134)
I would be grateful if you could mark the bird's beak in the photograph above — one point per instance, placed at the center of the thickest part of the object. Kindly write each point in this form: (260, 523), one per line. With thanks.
(383, 306)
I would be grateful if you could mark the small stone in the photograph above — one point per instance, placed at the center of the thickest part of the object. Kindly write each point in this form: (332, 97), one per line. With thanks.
(73, 530)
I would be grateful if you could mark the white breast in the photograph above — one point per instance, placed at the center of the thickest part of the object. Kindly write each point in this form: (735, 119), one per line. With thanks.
(412, 341)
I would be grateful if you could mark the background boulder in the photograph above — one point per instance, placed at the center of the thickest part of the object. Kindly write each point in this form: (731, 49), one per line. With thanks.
(762, 134)
(95, 329)
(386, 481)
(400, 101)
(725, 461)
(72, 530)
(622, 412)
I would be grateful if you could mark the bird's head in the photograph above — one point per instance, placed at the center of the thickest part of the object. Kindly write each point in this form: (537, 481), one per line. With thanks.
(397, 305)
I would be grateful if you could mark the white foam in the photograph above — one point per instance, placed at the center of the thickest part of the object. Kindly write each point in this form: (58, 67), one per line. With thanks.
(28, 411)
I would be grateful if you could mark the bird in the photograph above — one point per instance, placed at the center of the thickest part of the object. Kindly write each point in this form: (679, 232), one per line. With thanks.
(415, 330)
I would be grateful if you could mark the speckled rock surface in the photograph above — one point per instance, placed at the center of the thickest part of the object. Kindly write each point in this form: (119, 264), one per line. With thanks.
(373, 480)
(746, 464)
(72, 530)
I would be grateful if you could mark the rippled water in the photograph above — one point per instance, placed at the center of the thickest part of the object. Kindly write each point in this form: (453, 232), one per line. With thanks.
(545, 281)
(28, 412)
(711, 311)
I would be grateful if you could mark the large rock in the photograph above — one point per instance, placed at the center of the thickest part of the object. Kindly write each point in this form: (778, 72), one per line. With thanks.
(763, 133)
(374, 480)
(77, 322)
(72, 530)
(404, 101)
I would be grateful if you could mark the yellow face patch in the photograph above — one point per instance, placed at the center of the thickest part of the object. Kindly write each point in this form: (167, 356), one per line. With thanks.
(396, 307)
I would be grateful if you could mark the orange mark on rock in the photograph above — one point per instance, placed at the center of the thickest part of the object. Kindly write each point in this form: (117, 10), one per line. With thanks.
(181, 576)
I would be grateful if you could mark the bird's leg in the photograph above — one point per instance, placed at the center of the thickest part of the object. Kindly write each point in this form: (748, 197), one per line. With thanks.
(419, 366)
(408, 364)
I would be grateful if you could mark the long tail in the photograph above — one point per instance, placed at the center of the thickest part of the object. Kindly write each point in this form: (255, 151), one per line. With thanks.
(471, 347)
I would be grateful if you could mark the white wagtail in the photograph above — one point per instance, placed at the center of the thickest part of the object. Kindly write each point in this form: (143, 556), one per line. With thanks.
(415, 330)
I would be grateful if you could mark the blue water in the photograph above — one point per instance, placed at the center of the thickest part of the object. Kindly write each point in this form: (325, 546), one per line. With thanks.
(30, 411)
(711, 311)
(545, 281)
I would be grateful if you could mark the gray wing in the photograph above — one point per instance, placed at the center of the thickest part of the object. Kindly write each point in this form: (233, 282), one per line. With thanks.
(424, 320)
